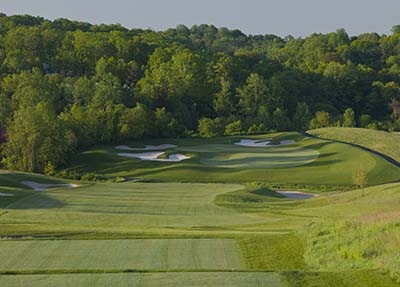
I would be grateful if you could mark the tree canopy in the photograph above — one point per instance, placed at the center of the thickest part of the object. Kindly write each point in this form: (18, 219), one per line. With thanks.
(67, 84)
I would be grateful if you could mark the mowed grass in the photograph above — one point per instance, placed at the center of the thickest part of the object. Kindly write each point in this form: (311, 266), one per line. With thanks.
(123, 207)
(233, 156)
(136, 254)
(380, 141)
(11, 184)
(273, 237)
(171, 279)
(334, 165)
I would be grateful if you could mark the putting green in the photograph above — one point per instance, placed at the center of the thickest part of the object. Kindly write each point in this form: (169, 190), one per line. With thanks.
(231, 156)
(275, 158)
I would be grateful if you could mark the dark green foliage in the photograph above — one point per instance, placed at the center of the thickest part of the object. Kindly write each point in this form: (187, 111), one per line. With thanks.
(106, 83)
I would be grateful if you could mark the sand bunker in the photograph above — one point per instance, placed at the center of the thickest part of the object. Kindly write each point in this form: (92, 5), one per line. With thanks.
(42, 186)
(6, 194)
(148, 147)
(263, 143)
(296, 194)
(154, 156)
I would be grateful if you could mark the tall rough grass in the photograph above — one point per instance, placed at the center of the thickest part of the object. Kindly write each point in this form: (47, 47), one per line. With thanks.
(360, 244)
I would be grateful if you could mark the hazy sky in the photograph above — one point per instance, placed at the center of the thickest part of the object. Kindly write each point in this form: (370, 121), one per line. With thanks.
(281, 17)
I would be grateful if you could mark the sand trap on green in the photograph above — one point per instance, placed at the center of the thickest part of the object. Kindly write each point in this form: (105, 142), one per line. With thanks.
(276, 158)
(137, 254)
(44, 186)
(171, 279)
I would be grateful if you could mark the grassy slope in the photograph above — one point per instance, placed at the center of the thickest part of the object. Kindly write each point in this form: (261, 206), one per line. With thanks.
(380, 141)
(272, 233)
(333, 167)
(272, 244)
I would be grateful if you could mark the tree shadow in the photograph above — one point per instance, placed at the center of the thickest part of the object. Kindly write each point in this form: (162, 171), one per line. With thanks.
(22, 197)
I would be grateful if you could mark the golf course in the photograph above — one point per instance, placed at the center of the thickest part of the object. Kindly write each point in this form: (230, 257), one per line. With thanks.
(153, 148)
(235, 211)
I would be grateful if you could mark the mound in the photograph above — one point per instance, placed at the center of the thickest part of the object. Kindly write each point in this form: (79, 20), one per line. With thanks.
(154, 156)
(148, 147)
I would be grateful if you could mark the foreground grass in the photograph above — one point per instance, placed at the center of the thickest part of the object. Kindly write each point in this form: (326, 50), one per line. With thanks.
(172, 279)
(141, 208)
(380, 141)
(199, 230)
(135, 254)
(353, 278)
(273, 252)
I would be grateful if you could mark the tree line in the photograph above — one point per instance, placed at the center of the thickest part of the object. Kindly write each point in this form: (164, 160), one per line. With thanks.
(66, 85)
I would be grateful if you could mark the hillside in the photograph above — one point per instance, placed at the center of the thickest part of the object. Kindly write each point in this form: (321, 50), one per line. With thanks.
(306, 162)
(380, 141)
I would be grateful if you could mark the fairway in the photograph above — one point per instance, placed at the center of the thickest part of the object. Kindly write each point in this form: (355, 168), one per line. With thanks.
(125, 207)
(202, 155)
(309, 161)
(171, 279)
(145, 254)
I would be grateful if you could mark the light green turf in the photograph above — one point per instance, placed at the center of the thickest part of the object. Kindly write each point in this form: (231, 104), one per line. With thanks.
(274, 158)
(209, 226)
(334, 165)
(125, 207)
(380, 141)
(184, 279)
(137, 254)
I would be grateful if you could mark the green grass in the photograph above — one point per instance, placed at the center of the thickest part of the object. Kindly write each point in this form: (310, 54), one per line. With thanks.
(334, 165)
(350, 278)
(136, 254)
(273, 252)
(270, 238)
(124, 207)
(215, 234)
(172, 279)
(282, 158)
(380, 141)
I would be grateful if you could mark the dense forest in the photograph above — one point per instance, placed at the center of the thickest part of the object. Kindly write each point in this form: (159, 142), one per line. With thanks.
(66, 85)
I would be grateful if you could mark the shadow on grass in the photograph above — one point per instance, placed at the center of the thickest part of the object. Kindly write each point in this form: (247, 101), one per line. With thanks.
(23, 197)
(37, 200)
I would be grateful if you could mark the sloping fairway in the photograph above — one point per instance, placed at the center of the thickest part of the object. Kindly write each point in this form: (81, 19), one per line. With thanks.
(307, 162)
(182, 279)
(137, 254)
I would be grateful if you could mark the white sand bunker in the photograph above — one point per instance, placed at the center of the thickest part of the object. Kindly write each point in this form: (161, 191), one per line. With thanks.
(154, 156)
(42, 186)
(6, 194)
(263, 143)
(296, 194)
(148, 147)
